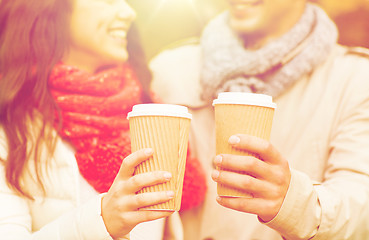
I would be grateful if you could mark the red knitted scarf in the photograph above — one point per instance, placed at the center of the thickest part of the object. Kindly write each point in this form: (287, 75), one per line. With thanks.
(94, 108)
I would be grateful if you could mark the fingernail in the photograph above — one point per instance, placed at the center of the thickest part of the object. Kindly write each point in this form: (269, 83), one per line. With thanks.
(170, 194)
(234, 139)
(215, 174)
(218, 160)
(167, 175)
(148, 151)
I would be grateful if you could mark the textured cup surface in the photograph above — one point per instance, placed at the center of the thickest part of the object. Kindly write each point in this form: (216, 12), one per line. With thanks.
(165, 128)
(240, 113)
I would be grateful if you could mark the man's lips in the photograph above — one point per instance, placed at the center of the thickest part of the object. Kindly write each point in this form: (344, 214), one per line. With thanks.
(245, 2)
(244, 8)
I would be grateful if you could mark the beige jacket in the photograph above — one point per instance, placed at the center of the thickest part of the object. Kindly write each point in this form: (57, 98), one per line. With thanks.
(63, 213)
(321, 126)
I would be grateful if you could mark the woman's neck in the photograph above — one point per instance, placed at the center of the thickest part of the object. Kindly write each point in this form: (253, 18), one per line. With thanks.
(88, 63)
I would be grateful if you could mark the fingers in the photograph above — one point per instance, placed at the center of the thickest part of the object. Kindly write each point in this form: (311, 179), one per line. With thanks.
(139, 181)
(264, 209)
(148, 215)
(132, 161)
(148, 199)
(248, 164)
(249, 205)
(256, 145)
(254, 186)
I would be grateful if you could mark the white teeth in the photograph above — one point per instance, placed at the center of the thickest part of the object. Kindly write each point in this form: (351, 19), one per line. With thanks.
(118, 33)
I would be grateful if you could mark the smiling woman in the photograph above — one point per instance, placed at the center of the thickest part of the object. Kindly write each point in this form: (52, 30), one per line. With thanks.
(67, 84)
(101, 39)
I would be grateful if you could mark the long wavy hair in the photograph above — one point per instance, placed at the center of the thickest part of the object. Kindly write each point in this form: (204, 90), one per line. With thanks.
(34, 36)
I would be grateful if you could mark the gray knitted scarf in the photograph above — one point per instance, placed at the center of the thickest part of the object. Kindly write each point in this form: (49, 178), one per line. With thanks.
(229, 67)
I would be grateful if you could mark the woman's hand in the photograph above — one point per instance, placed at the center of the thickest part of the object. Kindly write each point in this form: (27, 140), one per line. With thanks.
(120, 205)
(267, 180)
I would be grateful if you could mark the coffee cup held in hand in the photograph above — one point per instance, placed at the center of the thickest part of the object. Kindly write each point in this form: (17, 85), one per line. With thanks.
(165, 129)
(241, 113)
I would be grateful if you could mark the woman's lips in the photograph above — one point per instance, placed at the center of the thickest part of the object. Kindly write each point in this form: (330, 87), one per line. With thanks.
(119, 35)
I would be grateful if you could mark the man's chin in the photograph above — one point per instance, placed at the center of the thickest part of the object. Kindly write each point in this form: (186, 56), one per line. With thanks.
(245, 26)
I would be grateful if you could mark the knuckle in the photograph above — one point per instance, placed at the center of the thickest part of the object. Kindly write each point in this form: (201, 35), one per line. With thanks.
(269, 205)
(274, 206)
(242, 204)
(134, 181)
(274, 193)
(245, 183)
(277, 192)
(251, 163)
(125, 220)
(266, 146)
(145, 214)
(128, 161)
(139, 200)
(279, 178)
(286, 166)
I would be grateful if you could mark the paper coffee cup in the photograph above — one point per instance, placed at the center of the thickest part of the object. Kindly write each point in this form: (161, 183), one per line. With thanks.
(165, 128)
(240, 113)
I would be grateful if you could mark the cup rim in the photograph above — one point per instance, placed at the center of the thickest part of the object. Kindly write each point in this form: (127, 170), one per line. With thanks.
(159, 109)
(242, 98)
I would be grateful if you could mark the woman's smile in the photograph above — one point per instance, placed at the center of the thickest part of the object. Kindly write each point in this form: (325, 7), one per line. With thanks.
(119, 35)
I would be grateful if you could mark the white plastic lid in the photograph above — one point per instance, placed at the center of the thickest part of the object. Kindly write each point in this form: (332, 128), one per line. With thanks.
(254, 99)
(158, 109)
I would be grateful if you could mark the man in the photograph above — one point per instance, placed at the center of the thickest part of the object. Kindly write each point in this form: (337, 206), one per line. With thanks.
(313, 179)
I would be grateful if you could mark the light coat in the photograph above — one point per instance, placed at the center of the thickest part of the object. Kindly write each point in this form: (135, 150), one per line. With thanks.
(321, 126)
(62, 211)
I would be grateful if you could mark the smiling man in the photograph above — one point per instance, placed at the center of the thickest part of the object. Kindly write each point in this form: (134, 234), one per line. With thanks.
(259, 20)
(313, 179)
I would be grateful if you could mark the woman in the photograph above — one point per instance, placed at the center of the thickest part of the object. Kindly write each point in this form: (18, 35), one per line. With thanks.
(65, 90)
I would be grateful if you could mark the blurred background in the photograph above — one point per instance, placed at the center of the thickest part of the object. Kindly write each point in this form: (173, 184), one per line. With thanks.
(166, 23)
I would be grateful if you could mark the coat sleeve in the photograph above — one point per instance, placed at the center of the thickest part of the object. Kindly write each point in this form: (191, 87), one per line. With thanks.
(84, 222)
(337, 207)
